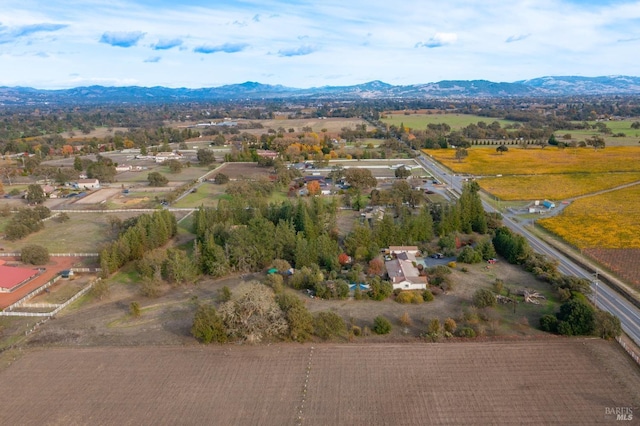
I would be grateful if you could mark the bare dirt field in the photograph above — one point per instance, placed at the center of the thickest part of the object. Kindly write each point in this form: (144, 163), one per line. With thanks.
(242, 170)
(98, 196)
(554, 381)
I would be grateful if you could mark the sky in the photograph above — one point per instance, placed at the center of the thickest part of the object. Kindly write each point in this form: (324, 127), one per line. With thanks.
(57, 44)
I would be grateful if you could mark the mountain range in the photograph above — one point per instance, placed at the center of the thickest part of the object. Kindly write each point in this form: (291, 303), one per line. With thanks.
(537, 87)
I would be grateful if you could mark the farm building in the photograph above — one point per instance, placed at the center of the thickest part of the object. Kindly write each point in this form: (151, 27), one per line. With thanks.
(87, 184)
(401, 270)
(12, 277)
(161, 157)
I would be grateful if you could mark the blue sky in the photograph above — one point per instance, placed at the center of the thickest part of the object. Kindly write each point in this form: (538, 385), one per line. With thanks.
(57, 44)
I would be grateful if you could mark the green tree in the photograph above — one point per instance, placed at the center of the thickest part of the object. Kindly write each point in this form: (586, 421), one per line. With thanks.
(381, 325)
(402, 172)
(205, 156)
(77, 164)
(175, 166)
(329, 324)
(469, 255)
(607, 325)
(576, 318)
(502, 149)
(34, 254)
(35, 194)
(157, 179)
(208, 326)
(298, 316)
(220, 179)
(360, 178)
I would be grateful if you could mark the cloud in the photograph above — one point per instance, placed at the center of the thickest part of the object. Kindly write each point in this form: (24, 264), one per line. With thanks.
(438, 40)
(300, 51)
(153, 59)
(122, 39)
(226, 48)
(167, 44)
(514, 38)
(8, 35)
(256, 18)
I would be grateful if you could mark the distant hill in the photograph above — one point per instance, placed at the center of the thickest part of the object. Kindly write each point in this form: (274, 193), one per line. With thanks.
(537, 87)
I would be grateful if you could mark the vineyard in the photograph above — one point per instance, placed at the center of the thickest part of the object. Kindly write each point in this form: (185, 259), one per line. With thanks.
(608, 220)
(624, 262)
(554, 187)
(536, 161)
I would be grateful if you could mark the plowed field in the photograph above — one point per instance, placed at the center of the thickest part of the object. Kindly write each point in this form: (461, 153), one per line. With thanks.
(552, 381)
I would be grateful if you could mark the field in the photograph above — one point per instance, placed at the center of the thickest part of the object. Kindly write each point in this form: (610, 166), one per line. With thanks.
(420, 121)
(559, 381)
(554, 186)
(535, 161)
(624, 262)
(82, 233)
(608, 220)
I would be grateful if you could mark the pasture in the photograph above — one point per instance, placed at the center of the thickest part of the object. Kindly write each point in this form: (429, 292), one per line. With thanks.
(419, 121)
(563, 381)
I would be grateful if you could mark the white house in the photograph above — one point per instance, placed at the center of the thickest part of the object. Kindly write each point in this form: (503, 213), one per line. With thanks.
(88, 184)
(401, 270)
(123, 168)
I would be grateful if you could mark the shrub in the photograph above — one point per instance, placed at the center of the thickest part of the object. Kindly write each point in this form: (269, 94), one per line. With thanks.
(427, 296)
(381, 325)
(224, 294)
(356, 331)
(549, 323)
(34, 254)
(405, 319)
(208, 326)
(469, 255)
(134, 309)
(328, 324)
(466, 332)
(483, 298)
(452, 265)
(450, 325)
(409, 297)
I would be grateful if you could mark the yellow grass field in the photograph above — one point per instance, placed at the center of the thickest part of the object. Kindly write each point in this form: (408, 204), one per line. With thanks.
(607, 221)
(554, 187)
(532, 161)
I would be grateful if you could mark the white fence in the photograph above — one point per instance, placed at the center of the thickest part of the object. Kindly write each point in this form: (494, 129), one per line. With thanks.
(53, 313)
(629, 350)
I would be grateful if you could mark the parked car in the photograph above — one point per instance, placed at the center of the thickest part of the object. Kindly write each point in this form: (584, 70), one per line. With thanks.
(437, 255)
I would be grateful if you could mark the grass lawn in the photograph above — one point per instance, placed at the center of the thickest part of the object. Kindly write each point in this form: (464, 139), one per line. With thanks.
(420, 121)
(82, 233)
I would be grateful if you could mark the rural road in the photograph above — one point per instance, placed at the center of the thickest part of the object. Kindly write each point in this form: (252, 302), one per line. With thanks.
(605, 298)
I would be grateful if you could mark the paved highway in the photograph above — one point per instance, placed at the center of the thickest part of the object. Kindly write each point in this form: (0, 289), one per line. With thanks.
(605, 298)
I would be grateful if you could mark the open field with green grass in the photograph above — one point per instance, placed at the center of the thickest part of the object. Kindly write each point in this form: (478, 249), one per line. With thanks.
(631, 138)
(554, 186)
(82, 233)
(421, 120)
(207, 195)
(536, 161)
